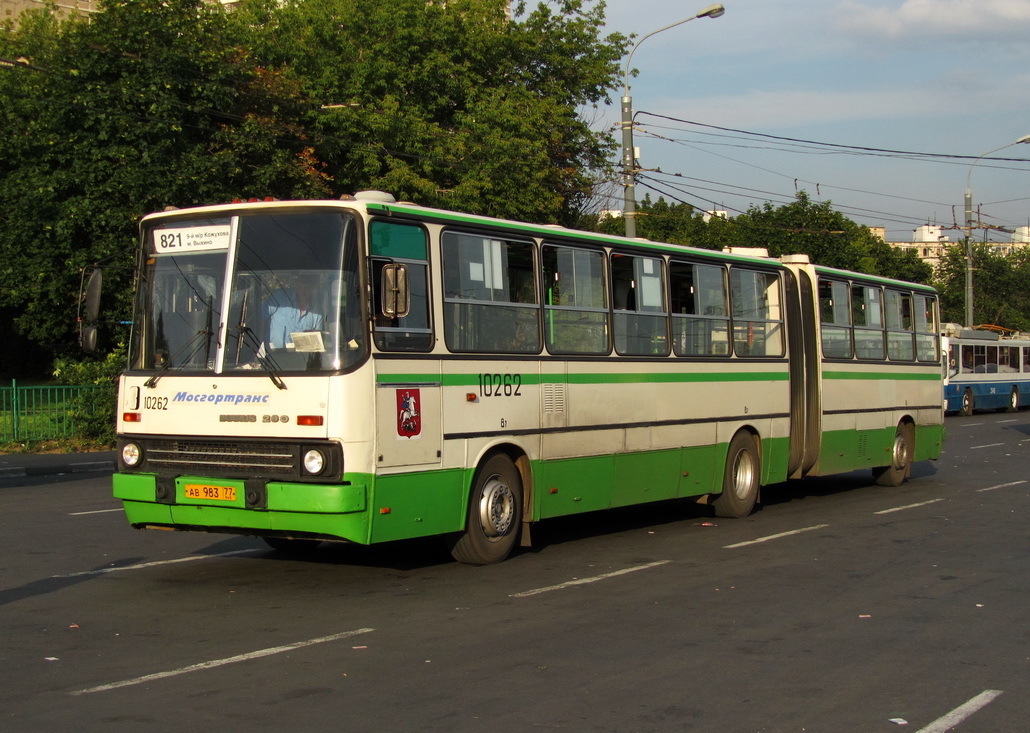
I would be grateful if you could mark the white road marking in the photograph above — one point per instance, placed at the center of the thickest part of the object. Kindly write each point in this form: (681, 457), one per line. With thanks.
(191, 558)
(221, 662)
(1002, 486)
(775, 536)
(960, 713)
(988, 445)
(583, 581)
(96, 511)
(907, 506)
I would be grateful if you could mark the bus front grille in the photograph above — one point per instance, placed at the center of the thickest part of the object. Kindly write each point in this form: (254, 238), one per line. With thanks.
(222, 457)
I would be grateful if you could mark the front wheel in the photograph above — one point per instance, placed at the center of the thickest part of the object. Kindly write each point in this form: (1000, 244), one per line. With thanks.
(494, 514)
(741, 479)
(1013, 401)
(901, 458)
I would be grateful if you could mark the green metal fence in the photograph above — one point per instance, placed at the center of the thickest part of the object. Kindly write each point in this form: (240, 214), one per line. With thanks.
(44, 412)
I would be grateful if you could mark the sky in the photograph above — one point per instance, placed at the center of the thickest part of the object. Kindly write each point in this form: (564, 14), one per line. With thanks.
(886, 104)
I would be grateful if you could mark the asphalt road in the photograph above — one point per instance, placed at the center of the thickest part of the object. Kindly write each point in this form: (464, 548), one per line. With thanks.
(838, 606)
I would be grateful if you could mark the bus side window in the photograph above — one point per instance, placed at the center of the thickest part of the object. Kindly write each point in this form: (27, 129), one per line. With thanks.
(757, 315)
(700, 309)
(575, 300)
(900, 344)
(639, 323)
(927, 344)
(490, 294)
(835, 319)
(394, 243)
(867, 317)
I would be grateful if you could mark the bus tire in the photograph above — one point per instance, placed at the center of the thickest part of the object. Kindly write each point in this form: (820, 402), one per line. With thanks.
(741, 479)
(1013, 401)
(967, 403)
(901, 458)
(494, 514)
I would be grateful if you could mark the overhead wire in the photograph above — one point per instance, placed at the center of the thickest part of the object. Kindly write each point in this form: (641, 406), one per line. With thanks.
(751, 140)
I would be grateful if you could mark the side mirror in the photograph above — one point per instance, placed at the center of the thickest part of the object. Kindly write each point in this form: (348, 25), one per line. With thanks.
(88, 332)
(93, 287)
(88, 338)
(396, 296)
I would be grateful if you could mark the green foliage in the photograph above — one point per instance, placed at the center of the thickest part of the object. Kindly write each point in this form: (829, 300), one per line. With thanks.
(178, 102)
(801, 227)
(147, 104)
(450, 104)
(1000, 293)
(94, 415)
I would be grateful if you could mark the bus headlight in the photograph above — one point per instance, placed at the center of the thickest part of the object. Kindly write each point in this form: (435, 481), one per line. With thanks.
(314, 462)
(131, 454)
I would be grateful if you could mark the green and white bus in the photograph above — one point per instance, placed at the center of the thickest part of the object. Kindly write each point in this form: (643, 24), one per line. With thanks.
(364, 370)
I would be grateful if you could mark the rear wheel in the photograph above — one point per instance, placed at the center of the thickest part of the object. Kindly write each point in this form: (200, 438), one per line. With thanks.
(967, 402)
(741, 479)
(901, 458)
(1013, 400)
(494, 514)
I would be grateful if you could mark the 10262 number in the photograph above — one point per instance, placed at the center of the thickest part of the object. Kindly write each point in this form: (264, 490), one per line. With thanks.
(500, 385)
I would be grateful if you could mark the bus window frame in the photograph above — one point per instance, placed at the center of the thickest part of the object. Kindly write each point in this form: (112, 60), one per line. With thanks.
(779, 330)
(548, 309)
(637, 314)
(536, 305)
(374, 276)
(708, 320)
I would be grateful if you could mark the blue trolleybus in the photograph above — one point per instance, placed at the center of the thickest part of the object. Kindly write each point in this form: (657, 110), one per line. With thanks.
(985, 370)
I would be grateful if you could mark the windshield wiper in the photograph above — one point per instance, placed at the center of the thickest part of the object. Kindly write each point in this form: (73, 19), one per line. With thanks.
(194, 342)
(266, 362)
(244, 334)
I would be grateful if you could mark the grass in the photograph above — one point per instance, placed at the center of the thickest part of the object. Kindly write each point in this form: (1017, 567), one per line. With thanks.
(64, 445)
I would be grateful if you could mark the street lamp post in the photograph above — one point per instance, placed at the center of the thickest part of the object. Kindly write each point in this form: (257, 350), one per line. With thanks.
(629, 163)
(969, 227)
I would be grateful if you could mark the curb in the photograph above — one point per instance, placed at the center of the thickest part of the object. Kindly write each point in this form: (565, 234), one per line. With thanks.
(88, 467)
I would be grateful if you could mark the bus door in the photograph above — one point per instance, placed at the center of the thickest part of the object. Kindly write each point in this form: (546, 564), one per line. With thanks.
(803, 351)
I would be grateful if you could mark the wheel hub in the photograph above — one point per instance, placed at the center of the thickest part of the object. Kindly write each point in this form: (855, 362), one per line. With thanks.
(496, 508)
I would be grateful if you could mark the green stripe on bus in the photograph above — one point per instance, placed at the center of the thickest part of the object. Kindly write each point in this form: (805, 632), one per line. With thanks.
(665, 378)
(473, 380)
(933, 376)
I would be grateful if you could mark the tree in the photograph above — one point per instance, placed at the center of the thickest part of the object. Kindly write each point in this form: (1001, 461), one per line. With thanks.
(177, 102)
(149, 104)
(1001, 287)
(661, 221)
(450, 104)
(801, 227)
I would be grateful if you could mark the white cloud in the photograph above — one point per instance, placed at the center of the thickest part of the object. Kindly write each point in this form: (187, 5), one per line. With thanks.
(935, 18)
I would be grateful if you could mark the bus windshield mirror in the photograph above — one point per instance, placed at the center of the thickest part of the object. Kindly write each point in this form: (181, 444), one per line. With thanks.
(396, 299)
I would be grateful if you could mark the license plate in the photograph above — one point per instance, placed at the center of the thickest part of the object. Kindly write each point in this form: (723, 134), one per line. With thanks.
(210, 491)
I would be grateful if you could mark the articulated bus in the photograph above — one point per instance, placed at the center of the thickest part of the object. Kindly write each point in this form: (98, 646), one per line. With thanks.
(985, 370)
(364, 370)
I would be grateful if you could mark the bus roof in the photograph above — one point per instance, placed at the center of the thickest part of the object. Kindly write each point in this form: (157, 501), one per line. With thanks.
(374, 204)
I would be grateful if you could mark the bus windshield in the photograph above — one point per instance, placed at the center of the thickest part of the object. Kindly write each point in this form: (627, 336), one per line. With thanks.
(273, 291)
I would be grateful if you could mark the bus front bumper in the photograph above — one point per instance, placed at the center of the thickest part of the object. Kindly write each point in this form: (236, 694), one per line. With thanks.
(332, 511)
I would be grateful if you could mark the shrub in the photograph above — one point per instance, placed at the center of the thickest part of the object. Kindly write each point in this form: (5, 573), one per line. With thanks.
(93, 415)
